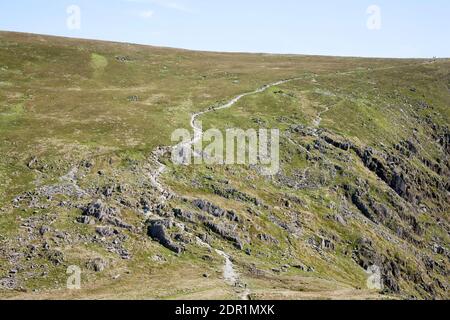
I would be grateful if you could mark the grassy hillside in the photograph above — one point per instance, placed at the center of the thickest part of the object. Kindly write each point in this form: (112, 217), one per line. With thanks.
(364, 176)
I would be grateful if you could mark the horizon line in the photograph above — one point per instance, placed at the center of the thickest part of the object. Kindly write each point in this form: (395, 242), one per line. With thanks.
(219, 52)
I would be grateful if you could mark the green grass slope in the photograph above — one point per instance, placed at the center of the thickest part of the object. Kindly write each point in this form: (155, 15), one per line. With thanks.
(364, 176)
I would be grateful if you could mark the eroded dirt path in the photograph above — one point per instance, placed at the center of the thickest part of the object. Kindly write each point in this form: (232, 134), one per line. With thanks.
(230, 275)
(318, 120)
(198, 132)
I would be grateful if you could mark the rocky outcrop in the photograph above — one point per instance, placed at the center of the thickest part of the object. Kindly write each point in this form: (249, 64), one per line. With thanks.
(215, 210)
(233, 193)
(366, 256)
(293, 227)
(104, 213)
(407, 148)
(225, 233)
(157, 230)
(55, 256)
(390, 214)
(344, 145)
(124, 59)
(184, 215)
(444, 139)
(9, 283)
(394, 269)
(268, 239)
(106, 231)
(97, 265)
(117, 222)
(98, 210)
(406, 181)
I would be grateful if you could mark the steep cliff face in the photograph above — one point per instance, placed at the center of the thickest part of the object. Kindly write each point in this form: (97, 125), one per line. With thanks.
(87, 178)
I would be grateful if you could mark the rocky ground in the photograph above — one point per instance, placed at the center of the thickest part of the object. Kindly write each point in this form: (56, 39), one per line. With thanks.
(364, 177)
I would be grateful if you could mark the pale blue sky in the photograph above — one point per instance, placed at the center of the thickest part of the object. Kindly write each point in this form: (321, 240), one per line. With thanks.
(409, 28)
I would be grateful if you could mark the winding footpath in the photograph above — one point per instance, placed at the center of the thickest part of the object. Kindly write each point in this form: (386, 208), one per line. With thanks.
(155, 168)
(230, 275)
(155, 174)
(198, 132)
